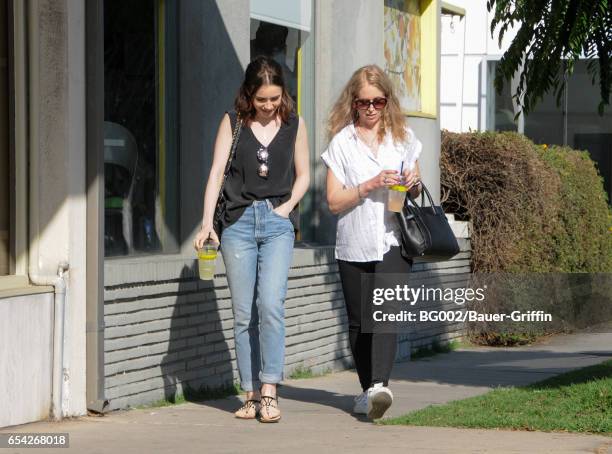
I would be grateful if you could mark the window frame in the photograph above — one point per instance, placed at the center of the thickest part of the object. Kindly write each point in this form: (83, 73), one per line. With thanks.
(485, 89)
(5, 69)
(16, 282)
(306, 91)
(166, 202)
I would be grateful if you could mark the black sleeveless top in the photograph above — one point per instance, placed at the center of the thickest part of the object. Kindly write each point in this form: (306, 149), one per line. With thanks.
(244, 185)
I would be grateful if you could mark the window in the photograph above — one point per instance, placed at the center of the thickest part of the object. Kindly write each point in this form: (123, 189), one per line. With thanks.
(283, 33)
(140, 145)
(4, 144)
(500, 107)
(545, 123)
(280, 43)
(575, 122)
(586, 129)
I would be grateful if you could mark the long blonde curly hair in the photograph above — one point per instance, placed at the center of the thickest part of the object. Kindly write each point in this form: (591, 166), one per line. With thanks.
(343, 113)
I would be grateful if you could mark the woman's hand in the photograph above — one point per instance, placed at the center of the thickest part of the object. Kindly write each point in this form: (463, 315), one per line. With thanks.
(283, 210)
(411, 178)
(340, 198)
(384, 179)
(203, 235)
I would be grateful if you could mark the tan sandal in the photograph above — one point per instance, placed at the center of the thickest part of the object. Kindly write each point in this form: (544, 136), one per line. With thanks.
(269, 411)
(248, 410)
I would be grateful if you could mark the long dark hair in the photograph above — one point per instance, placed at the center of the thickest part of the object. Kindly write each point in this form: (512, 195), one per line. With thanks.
(262, 71)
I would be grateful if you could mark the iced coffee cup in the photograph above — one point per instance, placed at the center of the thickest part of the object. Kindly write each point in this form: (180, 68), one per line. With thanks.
(396, 197)
(207, 256)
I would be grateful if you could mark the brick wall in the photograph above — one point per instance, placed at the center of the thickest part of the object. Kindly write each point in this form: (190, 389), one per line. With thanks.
(165, 327)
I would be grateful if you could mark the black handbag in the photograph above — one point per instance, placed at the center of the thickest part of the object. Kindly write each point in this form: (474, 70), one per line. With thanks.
(221, 200)
(426, 233)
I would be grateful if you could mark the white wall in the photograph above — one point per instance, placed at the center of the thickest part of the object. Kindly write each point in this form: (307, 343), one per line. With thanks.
(57, 151)
(25, 355)
(461, 100)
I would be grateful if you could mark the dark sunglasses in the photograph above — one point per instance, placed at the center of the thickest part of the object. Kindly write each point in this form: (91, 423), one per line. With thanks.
(364, 104)
(262, 157)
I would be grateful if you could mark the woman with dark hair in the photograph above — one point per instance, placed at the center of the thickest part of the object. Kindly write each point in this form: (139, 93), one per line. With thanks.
(268, 176)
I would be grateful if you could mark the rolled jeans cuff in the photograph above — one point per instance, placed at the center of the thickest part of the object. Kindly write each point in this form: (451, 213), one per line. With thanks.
(250, 386)
(271, 379)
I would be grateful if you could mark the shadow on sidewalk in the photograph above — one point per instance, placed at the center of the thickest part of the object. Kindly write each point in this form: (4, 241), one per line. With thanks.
(486, 367)
(317, 396)
(479, 367)
(498, 367)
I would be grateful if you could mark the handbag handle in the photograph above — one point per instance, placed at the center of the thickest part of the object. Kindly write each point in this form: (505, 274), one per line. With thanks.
(424, 191)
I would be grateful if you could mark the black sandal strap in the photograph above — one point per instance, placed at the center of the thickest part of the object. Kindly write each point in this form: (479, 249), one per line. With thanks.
(267, 400)
(250, 403)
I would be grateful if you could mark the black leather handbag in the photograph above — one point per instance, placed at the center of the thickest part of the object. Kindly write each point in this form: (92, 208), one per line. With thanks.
(221, 201)
(426, 233)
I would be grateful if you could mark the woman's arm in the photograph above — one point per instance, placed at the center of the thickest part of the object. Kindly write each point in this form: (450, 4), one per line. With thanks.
(302, 171)
(223, 143)
(340, 198)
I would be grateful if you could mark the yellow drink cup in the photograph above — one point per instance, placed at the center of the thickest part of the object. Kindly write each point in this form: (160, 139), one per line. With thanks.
(206, 261)
(396, 197)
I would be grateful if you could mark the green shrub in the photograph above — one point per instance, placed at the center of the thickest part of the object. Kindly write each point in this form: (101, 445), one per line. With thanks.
(532, 208)
(583, 234)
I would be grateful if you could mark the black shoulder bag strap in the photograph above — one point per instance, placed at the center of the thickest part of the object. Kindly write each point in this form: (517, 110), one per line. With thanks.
(221, 202)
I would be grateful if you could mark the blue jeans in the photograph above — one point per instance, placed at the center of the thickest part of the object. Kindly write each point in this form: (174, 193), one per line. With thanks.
(257, 250)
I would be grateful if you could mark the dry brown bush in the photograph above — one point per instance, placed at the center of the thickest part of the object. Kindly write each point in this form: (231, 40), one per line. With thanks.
(499, 183)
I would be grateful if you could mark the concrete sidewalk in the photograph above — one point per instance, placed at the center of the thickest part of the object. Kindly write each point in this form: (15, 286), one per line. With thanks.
(317, 418)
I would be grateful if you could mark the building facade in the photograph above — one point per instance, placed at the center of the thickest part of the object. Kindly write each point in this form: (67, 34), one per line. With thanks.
(108, 114)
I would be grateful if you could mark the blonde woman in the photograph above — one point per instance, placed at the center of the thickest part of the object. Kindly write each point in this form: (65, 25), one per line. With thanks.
(370, 144)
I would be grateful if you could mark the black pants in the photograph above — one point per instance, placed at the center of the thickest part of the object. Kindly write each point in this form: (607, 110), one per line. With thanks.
(373, 353)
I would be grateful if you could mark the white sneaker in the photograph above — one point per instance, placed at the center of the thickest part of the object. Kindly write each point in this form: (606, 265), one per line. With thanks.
(361, 404)
(380, 399)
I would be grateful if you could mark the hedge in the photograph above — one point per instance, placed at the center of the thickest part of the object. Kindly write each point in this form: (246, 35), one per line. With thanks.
(532, 208)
